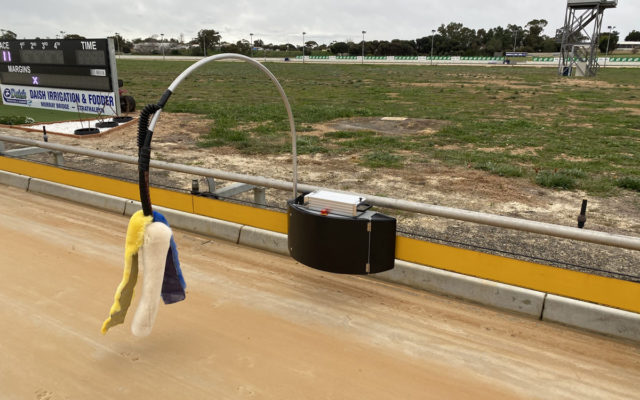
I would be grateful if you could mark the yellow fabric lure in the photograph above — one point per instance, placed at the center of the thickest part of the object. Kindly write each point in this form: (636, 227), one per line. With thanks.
(124, 294)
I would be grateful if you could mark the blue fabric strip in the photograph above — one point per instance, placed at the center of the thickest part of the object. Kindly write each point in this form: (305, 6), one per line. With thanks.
(173, 284)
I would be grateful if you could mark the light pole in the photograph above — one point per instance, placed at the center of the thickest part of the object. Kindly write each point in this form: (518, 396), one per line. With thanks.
(515, 38)
(204, 45)
(363, 32)
(117, 40)
(433, 35)
(162, 44)
(303, 33)
(251, 35)
(606, 54)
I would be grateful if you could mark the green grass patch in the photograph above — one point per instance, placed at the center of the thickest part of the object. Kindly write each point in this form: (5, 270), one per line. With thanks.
(310, 145)
(629, 182)
(557, 180)
(507, 170)
(15, 120)
(381, 159)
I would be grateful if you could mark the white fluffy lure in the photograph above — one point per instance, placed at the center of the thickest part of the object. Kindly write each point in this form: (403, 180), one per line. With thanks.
(151, 259)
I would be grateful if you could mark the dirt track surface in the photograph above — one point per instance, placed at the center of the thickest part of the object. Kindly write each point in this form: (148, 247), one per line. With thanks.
(259, 325)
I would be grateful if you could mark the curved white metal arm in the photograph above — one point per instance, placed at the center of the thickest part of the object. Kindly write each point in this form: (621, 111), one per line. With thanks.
(227, 56)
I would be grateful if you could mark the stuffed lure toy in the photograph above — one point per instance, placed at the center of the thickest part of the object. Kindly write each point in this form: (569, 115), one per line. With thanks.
(149, 249)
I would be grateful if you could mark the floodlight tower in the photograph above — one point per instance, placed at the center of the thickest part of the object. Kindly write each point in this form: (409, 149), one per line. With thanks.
(579, 47)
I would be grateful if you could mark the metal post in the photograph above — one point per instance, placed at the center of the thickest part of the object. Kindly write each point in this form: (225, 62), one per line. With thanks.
(58, 158)
(117, 40)
(251, 35)
(363, 32)
(211, 183)
(162, 44)
(433, 35)
(606, 54)
(515, 39)
(303, 33)
(259, 195)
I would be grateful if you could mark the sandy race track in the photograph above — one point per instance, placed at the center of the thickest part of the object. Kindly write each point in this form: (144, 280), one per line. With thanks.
(259, 325)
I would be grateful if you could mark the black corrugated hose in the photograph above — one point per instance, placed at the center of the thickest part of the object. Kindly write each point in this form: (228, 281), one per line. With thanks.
(144, 155)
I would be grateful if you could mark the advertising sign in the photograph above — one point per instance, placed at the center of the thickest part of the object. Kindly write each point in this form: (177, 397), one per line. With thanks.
(84, 101)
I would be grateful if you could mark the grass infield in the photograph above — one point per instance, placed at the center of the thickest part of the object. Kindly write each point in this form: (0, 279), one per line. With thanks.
(567, 133)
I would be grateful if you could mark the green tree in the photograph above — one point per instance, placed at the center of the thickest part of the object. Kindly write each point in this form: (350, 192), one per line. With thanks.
(7, 35)
(605, 40)
(516, 35)
(423, 45)
(243, 46)
(383, 48)
(456, 38)
(550, 45)
(73, 36)
(285, 47)
(122, 45)
(339, 48)
(533, 39)
(633, 36)
(498, 40)
(494, 45)
(210, 38)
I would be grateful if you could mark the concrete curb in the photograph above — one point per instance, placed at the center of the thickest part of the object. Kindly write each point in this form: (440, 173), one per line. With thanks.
(477, 290)
(11, 179)
(211, 227)
(592, 317)
(548, 307)
(131, 207)
(97, 200)
(265, 240)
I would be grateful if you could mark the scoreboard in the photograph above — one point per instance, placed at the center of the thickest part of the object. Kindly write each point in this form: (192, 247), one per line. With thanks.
(67, 74)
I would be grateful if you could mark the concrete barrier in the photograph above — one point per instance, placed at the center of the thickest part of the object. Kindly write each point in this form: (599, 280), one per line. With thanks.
(592, 317)
(11, 179)
(265, 240)
(206, 226)
(131, 207)
(98, 200)
(465, 287)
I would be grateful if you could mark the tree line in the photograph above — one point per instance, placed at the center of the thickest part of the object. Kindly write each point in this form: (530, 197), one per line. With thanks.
(453, 39)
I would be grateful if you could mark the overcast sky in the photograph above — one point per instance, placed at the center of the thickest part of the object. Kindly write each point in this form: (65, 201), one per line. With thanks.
(281, 21)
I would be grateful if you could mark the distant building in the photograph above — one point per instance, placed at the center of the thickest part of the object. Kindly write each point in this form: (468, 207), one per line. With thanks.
(628, 46)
